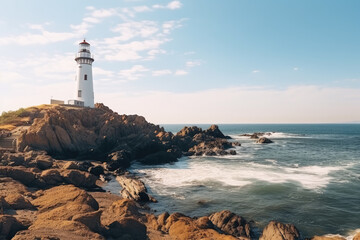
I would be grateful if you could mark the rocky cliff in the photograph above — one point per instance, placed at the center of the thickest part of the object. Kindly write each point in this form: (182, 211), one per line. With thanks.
(99, 133)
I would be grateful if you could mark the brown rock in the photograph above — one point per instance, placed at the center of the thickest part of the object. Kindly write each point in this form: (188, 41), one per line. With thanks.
(52, 177)
(44, 161)
(58, 230)
(61, 195)
(280, 231)
(19, 173)
(90, 219)
(357, 236)
(17, 201)
(133, 189)
(127, 228)
(120, 209)
(70, 165)
(78, 178)
(215, 132)
(231, 223)
(9, 226)
(328, 237)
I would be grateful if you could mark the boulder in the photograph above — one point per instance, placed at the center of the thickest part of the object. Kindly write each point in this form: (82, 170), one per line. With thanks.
(120, 209)
(189, 131)
(58, 230)
(44, 161)
(127, 228)
(19, 173)
(96, 170)
(215, 132)
(70, 165)
(280, 231)
(357, 236)
(90, 219)
(62, 195)
(134, 189)
(328, 237)
(9, 226)
(17, 201)
(158, 158)
(230, 223)
(79, 178)
(52, 177)
(118, 159)
(264, 140)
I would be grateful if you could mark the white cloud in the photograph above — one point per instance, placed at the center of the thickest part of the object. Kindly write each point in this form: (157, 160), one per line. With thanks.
(164, 72)
(180, 72)
(295, 68)
(133, 73)
(131, 30)
(91, 20)
(171, 5)
(255, 71)
(142, 9)
(44, 37)
(103, 13)
(193, 63)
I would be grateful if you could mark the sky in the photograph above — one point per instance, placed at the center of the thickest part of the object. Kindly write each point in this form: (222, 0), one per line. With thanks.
(186, 61)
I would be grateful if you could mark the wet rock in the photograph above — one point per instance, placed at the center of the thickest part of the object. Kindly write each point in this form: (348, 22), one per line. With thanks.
(158, 158)
(280, 231)
(264, 140)
(118, 159)
(134, 189)
(96, 170)
(215, 132)
(231, 223)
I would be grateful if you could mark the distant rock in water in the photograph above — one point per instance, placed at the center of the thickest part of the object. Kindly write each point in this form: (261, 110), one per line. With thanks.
(264, 140)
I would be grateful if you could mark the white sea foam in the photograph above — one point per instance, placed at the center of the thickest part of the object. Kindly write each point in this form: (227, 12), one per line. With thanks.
(196, 172)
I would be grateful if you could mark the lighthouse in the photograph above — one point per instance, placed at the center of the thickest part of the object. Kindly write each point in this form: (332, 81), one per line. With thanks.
(84, 94)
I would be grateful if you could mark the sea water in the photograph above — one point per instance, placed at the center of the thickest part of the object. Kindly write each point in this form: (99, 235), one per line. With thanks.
(309, 176)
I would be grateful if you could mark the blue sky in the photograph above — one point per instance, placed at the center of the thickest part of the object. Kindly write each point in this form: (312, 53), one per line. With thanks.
(189, 61)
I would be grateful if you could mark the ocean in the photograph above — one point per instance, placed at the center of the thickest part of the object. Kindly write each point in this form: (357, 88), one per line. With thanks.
(309, 176)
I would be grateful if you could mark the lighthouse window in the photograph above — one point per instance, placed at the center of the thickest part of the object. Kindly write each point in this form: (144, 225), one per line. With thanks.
(79, 93)
(85, 77)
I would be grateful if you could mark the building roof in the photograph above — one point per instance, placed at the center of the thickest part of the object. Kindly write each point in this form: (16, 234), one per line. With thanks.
(84, 42)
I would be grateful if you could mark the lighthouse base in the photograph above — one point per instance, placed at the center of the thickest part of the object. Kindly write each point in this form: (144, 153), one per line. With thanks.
(76, 103)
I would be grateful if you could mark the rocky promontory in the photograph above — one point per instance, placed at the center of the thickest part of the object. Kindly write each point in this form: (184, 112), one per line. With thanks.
(51, 183)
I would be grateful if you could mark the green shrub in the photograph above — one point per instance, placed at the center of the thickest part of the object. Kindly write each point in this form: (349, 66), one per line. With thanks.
(10, 116)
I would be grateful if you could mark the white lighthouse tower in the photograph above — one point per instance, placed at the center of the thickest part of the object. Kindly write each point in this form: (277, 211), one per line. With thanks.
(84, 95)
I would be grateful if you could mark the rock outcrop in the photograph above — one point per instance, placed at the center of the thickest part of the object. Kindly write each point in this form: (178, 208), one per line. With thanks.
(264, 140)
(230, 223)
(280, 231)
(134, 189)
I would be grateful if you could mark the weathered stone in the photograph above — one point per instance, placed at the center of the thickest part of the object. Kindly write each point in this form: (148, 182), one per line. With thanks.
(134, 189)
(231, 223)
(127, 228)
(280, 231)
(264, 140)
(17, 201)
